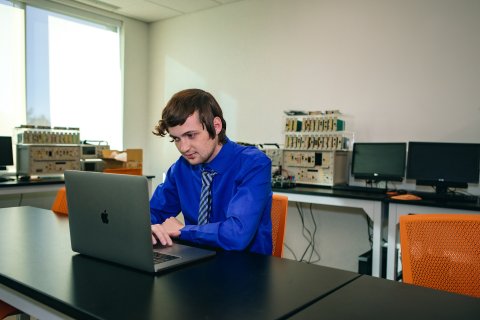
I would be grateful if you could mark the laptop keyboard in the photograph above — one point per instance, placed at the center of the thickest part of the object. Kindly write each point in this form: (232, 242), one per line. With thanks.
(162, 257)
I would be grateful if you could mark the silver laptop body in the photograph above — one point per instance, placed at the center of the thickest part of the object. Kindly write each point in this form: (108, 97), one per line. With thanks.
(109, 218)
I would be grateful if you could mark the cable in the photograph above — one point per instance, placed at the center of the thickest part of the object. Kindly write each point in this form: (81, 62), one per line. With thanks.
(369, 230)
(304, 229)
(309, 236)
(314, 250)
(20, 200)
(291, 251)
(313, 234)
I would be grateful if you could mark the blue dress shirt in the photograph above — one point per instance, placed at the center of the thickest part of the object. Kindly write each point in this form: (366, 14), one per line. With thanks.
(241, 200)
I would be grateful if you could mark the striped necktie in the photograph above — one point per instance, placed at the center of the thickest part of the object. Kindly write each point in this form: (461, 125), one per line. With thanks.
(205, 197)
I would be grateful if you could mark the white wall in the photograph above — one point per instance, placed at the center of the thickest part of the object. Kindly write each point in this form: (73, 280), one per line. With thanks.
(399, 70)
(135, 73)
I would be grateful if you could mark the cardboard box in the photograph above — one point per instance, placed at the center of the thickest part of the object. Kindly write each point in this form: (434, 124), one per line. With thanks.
(127, 161)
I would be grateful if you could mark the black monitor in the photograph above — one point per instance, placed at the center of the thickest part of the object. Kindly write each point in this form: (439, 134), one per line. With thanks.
(379, 161)
(6, 154)
(443, 165)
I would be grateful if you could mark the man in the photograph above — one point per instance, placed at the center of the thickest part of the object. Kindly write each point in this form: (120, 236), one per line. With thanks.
(223, 189)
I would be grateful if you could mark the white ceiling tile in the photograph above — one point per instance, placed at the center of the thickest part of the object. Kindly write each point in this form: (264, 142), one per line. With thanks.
(144, 10)
(186, 6)
(226, 1)
(154, 10)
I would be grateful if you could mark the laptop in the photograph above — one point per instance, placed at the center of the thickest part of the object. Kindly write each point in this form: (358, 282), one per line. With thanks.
(109, 218)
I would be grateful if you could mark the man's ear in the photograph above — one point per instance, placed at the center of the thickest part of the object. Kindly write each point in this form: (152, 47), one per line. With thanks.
(217, 124)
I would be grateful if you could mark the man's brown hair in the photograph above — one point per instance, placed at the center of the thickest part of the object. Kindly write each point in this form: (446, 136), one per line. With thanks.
(183, 104)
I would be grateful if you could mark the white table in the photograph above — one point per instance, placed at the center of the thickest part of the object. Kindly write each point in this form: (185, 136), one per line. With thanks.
(371, 204)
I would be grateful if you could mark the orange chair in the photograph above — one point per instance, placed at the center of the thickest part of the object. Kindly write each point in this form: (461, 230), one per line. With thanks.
(442, 251)
(60, 203)
(131, 171)
(7, 310)
(279, 220)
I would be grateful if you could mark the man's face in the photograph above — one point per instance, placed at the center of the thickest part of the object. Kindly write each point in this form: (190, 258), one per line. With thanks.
(193, 141)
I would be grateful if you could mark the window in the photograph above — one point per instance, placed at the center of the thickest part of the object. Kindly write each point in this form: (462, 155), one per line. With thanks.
(73, 70)
(12, 64)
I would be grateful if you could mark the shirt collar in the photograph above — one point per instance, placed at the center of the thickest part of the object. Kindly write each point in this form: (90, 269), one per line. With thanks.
(221, 162)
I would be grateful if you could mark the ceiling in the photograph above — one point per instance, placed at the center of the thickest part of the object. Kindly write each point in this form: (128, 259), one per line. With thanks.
(154, 10)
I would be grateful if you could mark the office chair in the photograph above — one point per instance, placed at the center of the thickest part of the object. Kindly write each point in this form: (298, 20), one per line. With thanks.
(60, 203)
(279, 220)
(442, 251)
(7, 310)
(132, 171)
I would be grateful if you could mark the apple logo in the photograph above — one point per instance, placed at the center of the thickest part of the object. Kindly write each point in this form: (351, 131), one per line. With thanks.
(104, 216)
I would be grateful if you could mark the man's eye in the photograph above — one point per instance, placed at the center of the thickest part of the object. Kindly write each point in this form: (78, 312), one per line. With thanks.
(191, 135)
(175, 140)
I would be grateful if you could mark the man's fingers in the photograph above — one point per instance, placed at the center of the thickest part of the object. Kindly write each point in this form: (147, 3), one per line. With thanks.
(158, 233)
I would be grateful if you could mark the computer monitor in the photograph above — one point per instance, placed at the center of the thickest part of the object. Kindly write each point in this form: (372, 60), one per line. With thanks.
(378, 161)
(443, 165)
(6, 154)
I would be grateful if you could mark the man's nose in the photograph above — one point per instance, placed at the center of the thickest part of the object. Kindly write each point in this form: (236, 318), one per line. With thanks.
(183, 145)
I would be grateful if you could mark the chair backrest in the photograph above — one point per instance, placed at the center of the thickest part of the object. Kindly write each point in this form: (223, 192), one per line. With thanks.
(60, 203)
(7, 310)
(279, 221)
(442, 251)
(131, 171)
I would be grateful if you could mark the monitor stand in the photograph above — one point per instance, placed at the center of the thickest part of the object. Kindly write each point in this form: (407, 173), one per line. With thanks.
(441, 191)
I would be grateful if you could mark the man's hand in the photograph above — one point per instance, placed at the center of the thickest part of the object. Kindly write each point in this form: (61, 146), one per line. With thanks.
(164, 232)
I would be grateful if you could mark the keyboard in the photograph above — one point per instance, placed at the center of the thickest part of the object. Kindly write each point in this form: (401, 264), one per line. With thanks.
(162, 257)
(450, 197)
(359, 189)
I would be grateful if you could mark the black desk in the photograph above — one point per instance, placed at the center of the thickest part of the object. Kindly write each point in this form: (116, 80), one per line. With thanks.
(334, 193)
(29, 186)
(40, 273)
(42, 184)
(373, 298)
